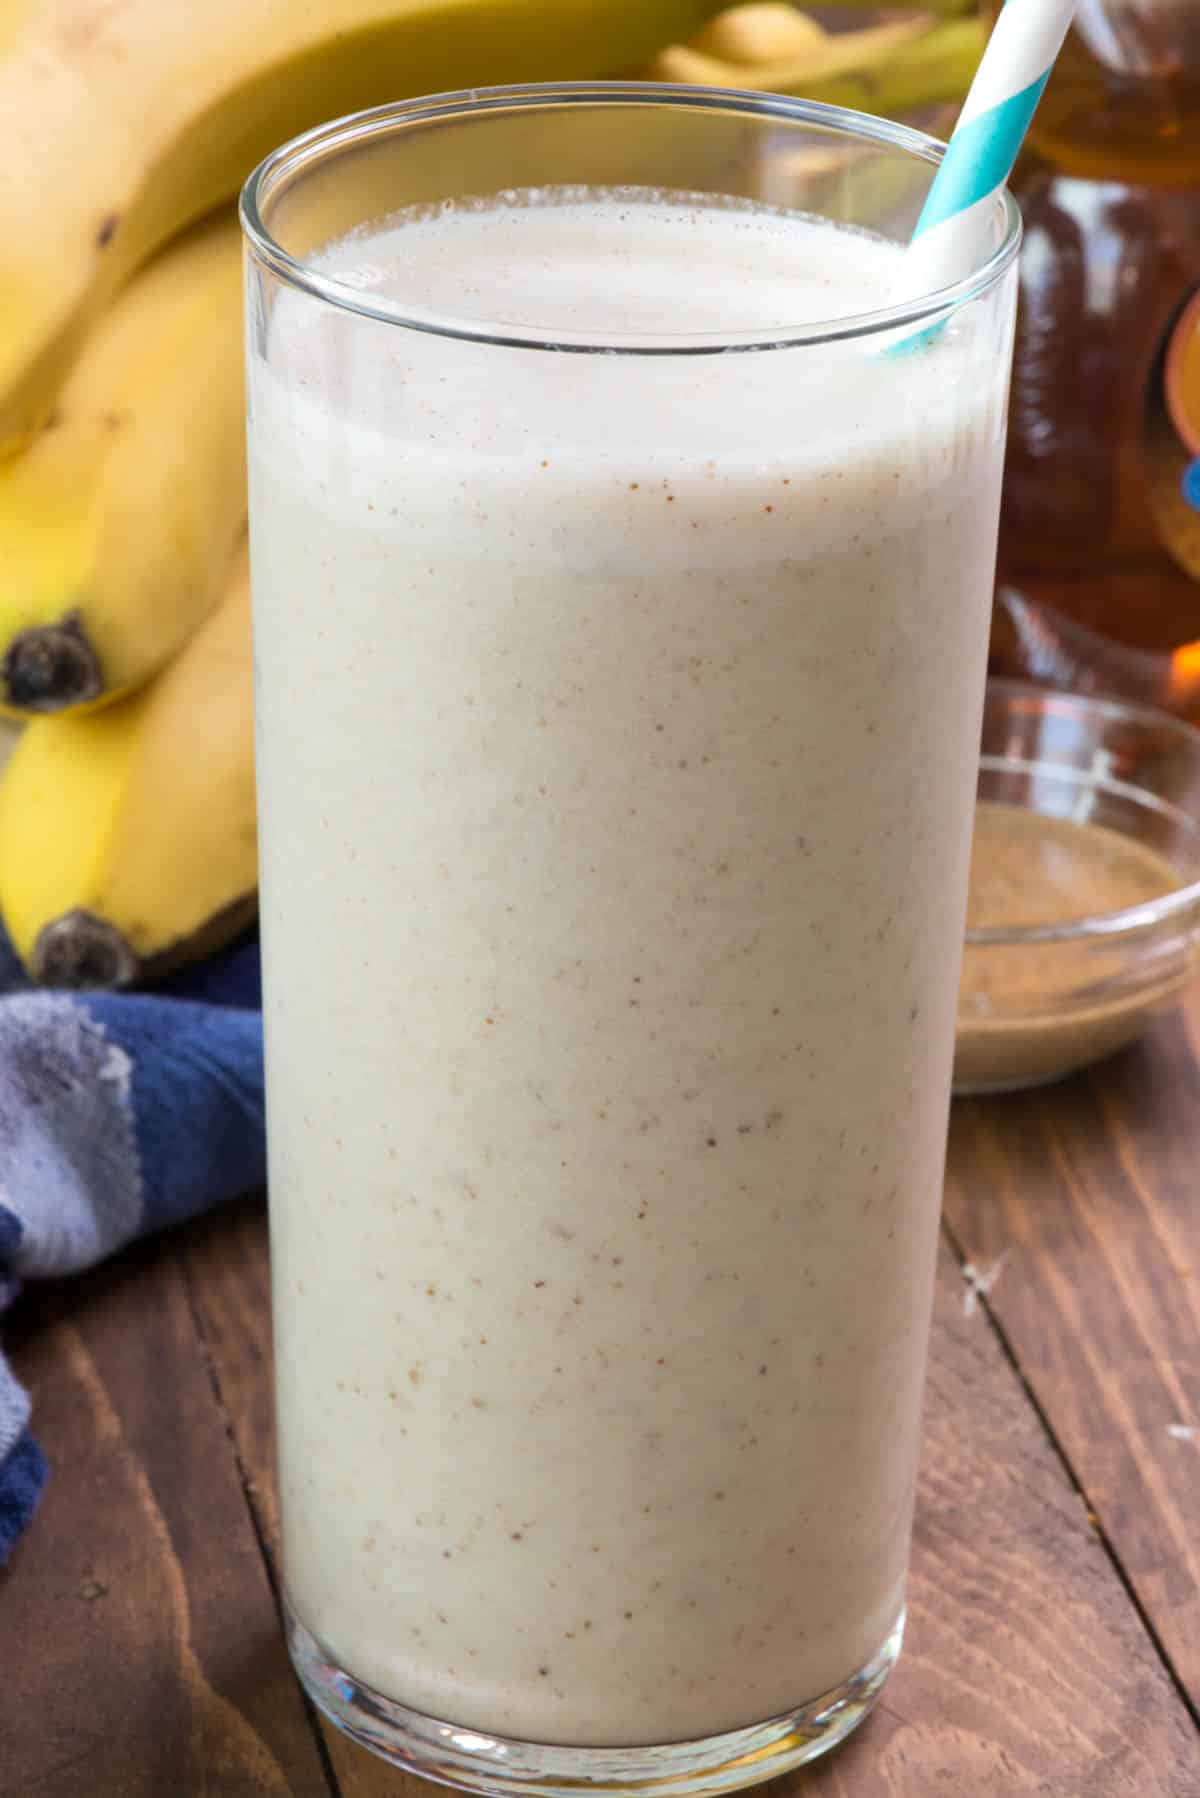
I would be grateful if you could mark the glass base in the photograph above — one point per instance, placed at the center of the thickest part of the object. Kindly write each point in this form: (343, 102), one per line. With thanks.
(456, 1755)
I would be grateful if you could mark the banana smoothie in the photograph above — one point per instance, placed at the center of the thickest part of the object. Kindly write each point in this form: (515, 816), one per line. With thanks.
(618, 737)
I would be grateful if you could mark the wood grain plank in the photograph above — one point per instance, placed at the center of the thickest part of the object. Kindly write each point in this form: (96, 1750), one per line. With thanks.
(228, 1273)
(138, 1637)
(1026, 1669)
(1091, 1192)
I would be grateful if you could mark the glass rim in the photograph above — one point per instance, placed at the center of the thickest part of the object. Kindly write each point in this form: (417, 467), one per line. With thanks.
(354, 129)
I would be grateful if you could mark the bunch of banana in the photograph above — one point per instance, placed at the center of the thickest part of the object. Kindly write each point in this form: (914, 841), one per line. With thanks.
(127, 833)
(123, 123)
(901, 66)
(126, 810)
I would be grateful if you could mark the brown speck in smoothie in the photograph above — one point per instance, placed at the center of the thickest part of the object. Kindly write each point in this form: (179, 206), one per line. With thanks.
(710, 1142)
(539, 1283)
(517, 1536)
(768, 508)
(414, 1374)
(108, 230)
(717, 1497)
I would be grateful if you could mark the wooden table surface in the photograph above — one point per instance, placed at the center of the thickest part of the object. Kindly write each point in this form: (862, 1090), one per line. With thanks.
(1054, 1638)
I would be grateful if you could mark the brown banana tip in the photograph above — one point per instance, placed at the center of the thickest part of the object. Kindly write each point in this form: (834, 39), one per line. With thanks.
(51, 667)
(82, 950)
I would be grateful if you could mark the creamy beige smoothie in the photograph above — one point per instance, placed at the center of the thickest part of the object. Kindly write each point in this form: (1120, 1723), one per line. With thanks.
(617, 766)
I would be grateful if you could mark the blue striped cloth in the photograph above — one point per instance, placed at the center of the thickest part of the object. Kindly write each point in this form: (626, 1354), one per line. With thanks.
(120, 1114)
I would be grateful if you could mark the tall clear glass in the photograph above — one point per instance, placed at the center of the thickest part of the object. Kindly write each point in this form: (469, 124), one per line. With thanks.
(622, 571)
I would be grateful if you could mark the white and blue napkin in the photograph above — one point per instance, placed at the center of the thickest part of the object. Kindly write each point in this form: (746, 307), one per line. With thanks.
(120, 1114)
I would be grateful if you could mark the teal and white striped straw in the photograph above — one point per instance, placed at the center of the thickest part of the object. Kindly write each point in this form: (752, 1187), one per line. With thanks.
(952, 233)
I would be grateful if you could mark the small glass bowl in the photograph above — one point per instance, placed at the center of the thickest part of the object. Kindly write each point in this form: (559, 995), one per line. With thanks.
(1038, 1002)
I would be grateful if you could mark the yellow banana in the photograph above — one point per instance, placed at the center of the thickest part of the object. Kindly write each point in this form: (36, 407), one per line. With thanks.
(759, 31)
(814, 59)
(930, 70)
(127, 835)
(900, 67)
(117, 522)
(124, 122)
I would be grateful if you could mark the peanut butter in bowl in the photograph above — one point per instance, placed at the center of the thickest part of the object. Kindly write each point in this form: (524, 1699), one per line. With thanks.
(1083, 913)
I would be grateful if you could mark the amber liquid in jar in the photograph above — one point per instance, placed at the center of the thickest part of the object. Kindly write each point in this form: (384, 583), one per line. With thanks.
(1099, 566)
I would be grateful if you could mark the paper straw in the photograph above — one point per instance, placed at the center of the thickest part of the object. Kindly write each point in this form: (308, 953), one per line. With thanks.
(952, 234)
